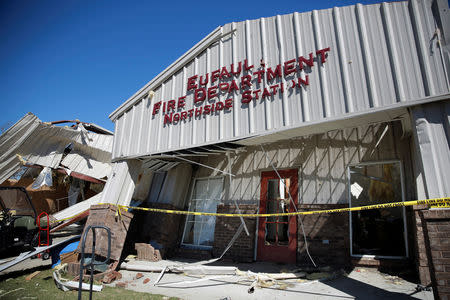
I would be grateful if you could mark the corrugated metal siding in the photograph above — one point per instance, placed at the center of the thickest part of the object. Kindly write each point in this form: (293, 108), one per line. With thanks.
(121, 182)
(42, 144)
(11, 140)
(321, 159)
(432, 140)
(85, 164)
(380, 55)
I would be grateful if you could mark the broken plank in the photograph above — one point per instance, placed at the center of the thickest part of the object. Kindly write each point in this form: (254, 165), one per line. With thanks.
(29, 277)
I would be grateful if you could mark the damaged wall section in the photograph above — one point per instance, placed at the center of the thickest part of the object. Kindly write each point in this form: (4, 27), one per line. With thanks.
(322, 161)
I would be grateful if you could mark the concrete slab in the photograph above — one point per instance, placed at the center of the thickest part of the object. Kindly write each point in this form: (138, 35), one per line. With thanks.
(360, 283)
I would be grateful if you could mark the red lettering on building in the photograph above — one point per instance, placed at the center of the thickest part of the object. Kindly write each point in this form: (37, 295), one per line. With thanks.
(259, 74)
(233, 87)
(199, 95)
(238, 71)
(322, 53)
(266, 93)
(309, 62)
(246, 81)
(246, 66)
(289, 67)
(224, 73)
(198, 111)
(206, 80)
(215, 75)
(168, 118)
(229, 103)
(212, 92)
(246, 97)
(191, 83)
(303, 82)
(156, 107)
(181, 102)
(171, 105)
(256, 93)
(224, 86)
(272, 74)
(219, 106)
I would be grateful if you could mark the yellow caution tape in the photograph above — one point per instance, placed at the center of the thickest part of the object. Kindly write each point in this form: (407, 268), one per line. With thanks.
(326, 211)
(435, 201)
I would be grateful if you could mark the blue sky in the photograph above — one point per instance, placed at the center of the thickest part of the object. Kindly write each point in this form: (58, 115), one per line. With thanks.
(64, 60)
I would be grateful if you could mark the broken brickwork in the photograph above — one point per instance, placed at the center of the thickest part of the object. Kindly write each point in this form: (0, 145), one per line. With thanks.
(109, 216)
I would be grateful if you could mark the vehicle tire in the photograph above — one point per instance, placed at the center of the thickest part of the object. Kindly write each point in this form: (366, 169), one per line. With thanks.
(45, 256)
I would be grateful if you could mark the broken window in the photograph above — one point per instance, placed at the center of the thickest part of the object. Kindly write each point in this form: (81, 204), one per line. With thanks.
(277, 228)
(199, 230)
(378, 232)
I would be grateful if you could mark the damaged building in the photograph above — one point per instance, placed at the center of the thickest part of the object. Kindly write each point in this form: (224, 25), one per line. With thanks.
(60, 163)
(327, 109)
(335, 108)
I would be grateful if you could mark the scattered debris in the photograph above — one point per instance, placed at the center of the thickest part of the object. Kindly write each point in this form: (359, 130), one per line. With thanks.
(139, 275)
(318, 276)
(67, 285)
(146, 280)
(147, 252)
(26, 255)
(189, 269)
(69, 257)
(393, 279)
(420, 288)
(29, 277)
(122, 284)
(110, 277)
(12, 291)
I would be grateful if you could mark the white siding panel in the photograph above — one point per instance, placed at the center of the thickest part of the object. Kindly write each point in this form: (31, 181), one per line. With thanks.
(321, 160)
(380, 55)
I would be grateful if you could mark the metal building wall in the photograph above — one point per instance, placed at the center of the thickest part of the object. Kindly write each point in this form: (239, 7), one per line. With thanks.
(381, 55)
(321, 159)
(431, 127)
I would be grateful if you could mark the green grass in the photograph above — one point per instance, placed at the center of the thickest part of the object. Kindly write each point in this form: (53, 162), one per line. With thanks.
(42, 286)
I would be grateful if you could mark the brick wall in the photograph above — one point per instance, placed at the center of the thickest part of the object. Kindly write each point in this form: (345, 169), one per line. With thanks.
(327, 236)
(106, 215)
(433, 249)
(243, 249)
(331, 228)
(162, 228)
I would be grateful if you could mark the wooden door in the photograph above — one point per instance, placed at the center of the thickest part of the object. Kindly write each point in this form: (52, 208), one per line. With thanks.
(277, 236)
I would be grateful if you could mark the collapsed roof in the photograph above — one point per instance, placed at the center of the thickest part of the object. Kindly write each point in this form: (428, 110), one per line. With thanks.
(72, 150)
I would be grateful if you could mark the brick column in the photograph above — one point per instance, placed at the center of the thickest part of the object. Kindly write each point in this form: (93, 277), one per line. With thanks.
(433, 249)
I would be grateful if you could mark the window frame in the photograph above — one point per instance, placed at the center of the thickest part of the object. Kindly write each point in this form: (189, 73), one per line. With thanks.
(194, 246)
(403, 193)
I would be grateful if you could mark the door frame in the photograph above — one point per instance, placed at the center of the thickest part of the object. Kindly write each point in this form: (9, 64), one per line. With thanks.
(403, 192)
(290, 255)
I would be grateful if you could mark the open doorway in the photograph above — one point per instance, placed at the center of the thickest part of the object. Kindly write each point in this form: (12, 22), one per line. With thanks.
(378, 232)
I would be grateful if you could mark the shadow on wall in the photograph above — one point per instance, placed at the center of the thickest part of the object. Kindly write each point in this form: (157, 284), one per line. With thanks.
(322, 161)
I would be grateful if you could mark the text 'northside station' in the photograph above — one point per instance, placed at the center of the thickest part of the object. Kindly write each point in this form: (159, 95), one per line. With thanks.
(237, 79)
